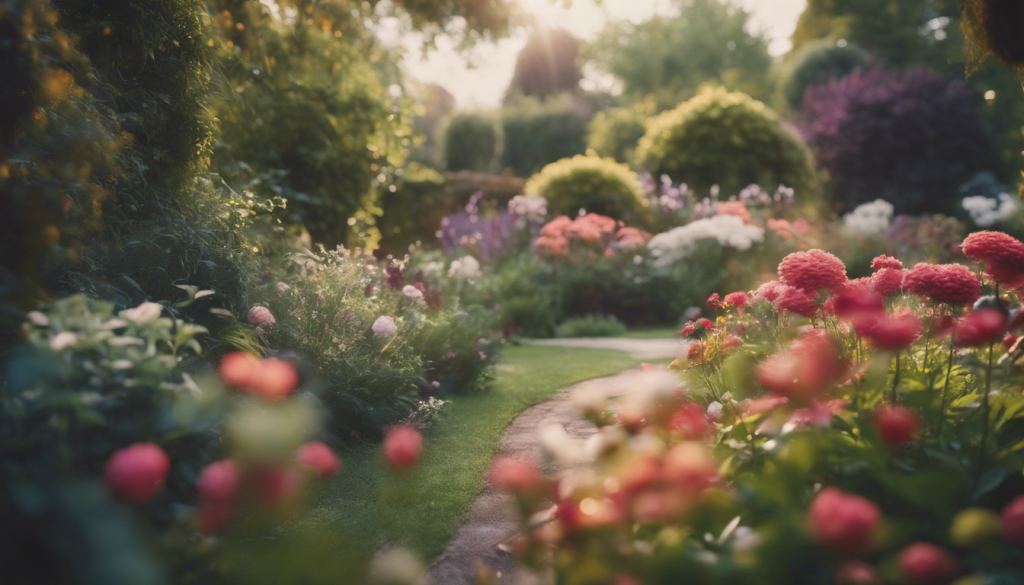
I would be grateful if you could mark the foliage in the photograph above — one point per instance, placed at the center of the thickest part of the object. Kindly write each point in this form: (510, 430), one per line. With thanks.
(817, 64)
(591, 326)
(730, 140)
(537, 134)
(471, 142)
(412, 211)
(599, 185)
(615, 133)
(911, 138)
(547, 65)
(708, 41)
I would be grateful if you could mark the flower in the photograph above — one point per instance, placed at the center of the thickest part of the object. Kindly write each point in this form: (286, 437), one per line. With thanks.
(1013, 521)
(217, 486)
(736, 299)
(384, 327)
(272, 379)
(811, 363)
(282, 288)
(275, 485)
(319, 458)
(819, 414)
(628, 239)
(691, 466)
(796, 300)
(857, 573)
(736, 208)
(137, 473)
(260, 316)
(869, 219)
(979, 327)
(1003, 256)
(843, 521)
(63, 340)
(884, 261)
(894, 332)
(887, 281)
(465, 268)
(402, 446)
(985, 211)
(690, 422)
(851, 303)
(769, 291)
(677, 244)
(515, 475)
(943, 283)
(812, 270)
(975, 527)
(926, 564)
(237, 368)
(143, 314)
(896, 424)
(411, 292)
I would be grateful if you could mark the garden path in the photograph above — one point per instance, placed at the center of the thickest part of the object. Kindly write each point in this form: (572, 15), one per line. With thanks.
(491, 519)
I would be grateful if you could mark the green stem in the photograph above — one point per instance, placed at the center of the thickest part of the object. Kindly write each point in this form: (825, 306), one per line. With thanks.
(896, 378)
(945, 388)
(985, 410)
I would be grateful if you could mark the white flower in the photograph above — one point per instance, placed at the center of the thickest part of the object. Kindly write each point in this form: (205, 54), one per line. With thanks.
(465, 268)
(985, 211)
(282, 288)
(63, 340)
(433, 270)
(715, 410)
(531, 207)
(144, 313)
(869, 218)
(411, 292)
(384, 327)
(395, 565)
(677, 244)
(121, 364)
(38, 318)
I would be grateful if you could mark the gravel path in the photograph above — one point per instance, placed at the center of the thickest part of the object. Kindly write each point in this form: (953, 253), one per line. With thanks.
(491, 520)
(641, 348)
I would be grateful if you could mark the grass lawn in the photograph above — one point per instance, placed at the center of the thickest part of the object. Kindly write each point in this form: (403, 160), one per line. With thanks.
(422, 510)
(652, 333)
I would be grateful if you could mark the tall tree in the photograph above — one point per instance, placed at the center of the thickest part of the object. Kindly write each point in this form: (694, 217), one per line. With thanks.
(548, 64)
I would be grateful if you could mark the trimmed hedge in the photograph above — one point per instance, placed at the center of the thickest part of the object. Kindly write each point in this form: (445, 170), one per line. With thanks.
(471, 142)
(599, 185)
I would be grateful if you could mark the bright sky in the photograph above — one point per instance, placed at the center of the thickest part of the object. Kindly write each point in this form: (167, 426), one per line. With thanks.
(482, 83)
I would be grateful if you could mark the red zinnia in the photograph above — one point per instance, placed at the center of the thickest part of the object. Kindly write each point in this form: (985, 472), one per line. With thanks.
(1013, 521)
(810, 365)
(402, 447)
(515, 475)
(852, 302)
(979, 327)
(796, 300)
(736, 299)
(138, 472)
(319, 458)
(897, 424)
(691, 423)
(843, 521)
(884, 261)
(894, 333)
(857, 573)
(217, 486)
(926, 564)
(888, 281)
(813, 270)
(943, 283)
(769, 291)
(1003, 256)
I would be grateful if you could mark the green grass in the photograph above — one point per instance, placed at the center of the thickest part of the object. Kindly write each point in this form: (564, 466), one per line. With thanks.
(653, 333)
(369, 507)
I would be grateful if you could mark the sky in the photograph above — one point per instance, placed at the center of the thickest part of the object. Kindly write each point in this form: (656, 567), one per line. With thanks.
(482, 82)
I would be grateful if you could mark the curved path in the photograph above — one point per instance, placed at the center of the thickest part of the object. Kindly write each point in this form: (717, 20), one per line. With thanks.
(491, 520)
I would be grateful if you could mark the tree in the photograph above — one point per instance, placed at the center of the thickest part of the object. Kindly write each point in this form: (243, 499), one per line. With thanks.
(548, 64)
(672, 56)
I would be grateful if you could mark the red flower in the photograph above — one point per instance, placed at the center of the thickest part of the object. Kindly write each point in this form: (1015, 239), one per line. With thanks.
(273, 379)
(714, 301)
(769, 291)
(402, 447)
(217, 485)
(689, 329)
(926, 564)
(896, 424)
(843, 521)
(851, 303)
(857, 573)
(895, 332)
(795, 300)
(138, 472)
(319, 458)
(943, 283)
(812, 270)
(237, 368)
(516, 475)
(811, 364)
(737, 299)
(275, 485)
(1013, 521)
(732, 342)
(888, 281)
(696, 351)
(979, 327)
(884, 261)
(942, 326)
(1009, 340)
(691, 466)
(1003, 256)
(691, 423)
(818, 414)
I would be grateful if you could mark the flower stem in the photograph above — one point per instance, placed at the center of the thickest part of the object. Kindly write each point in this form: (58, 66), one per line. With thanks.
(896, 378)
(945, 388)
(985, 411)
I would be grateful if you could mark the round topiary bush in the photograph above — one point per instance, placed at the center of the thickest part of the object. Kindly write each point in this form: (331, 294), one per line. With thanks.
(911, 138)
(730, 140)
(818, 64)
(599, 185)
(616, 132)
(471, 142)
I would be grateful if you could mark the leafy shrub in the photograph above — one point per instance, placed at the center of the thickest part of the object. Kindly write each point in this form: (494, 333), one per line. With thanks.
(587, 182)
(413, 210)
(471, 142)
(540, 133)
(911, 138)
(615, 133)
(591, 326)
(730, 140)
(816, 65)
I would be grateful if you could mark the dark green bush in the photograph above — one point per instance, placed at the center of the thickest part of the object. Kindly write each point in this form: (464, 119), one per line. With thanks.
(413, 210)
(471, 142)
(817, 64)
(539, 133)
(730, 140)
(591, 326)
(599, 185)
(615, 133)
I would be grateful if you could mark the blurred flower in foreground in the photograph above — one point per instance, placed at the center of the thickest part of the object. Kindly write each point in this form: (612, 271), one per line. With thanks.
(137, 473)
(402, 447)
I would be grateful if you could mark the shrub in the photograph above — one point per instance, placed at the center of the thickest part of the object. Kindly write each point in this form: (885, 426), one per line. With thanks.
(540, 133)
(587, 182)
(471, 142)
(413, 210)
(615, 133)
(911, 138)
(730, 140)
(816, 65)
(591, 326)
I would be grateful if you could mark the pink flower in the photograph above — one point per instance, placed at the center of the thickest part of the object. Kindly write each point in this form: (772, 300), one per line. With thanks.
(319, 458)
(979, 327)
(884, 261)
(857, 573)
(736, 208)
(812, 270)
(736, 299)
(943, 283)
(853, 302)
(896, 424)
(556, 227)
(888, 281)
(817, 414)
(273, 379)
(926, 564)
(691, 466)
(1013, 521)
(769, 291)
(795, 300)
(895, 332)
(218, 487)
(516, 475)
(843, 521)
(690, 422)
(812, 363)
(137, 473)
(402, 447)
(714, 301)
(1003, 256)
(237, 368)
(260, 316)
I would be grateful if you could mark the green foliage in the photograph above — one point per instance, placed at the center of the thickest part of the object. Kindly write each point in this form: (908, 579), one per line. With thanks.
(599, 185)
(547, 65)
(615, 133)
(412, 212)
(730, 140)
(817, 64)
(471, 142)
(672, 56)
(537, 134)
(591, 326)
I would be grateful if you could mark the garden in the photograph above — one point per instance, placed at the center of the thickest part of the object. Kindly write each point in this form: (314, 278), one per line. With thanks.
(620, 293)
